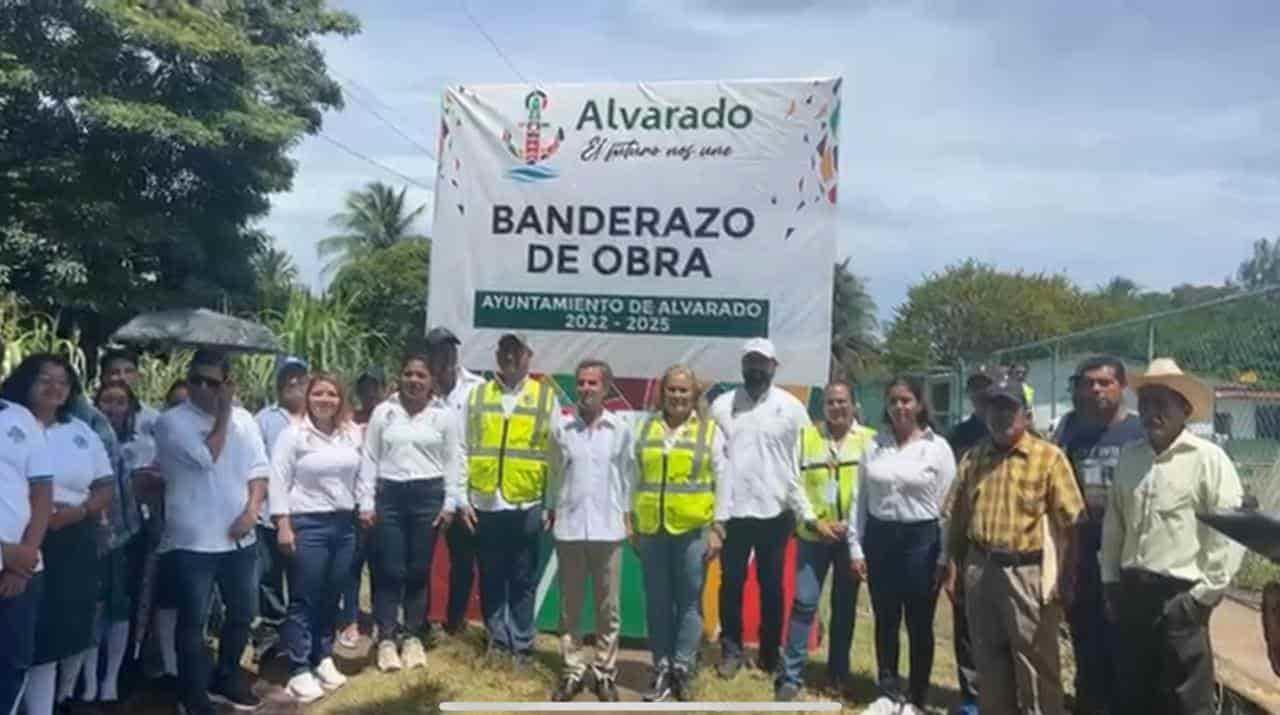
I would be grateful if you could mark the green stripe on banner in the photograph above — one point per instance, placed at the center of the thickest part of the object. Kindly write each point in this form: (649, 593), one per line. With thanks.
(631, 604)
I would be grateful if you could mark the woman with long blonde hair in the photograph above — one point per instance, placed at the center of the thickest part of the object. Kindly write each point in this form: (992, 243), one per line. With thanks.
(314, 490)
(679, 454)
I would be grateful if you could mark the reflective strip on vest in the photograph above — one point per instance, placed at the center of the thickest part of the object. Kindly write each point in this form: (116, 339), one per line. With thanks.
(677, 506)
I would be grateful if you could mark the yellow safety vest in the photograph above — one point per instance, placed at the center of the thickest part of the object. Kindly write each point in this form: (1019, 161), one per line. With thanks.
(830, 480)
(508, 455)
(676, 490)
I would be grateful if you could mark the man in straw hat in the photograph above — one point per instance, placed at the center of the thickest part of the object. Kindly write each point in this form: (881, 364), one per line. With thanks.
(1163, 571)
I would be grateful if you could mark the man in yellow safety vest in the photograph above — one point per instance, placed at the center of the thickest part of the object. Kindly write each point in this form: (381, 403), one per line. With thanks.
(829, 457)
(508, 427)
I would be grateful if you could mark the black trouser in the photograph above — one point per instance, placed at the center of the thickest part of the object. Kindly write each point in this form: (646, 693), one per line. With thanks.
(406, 542)
(462, 569)
(273, 606)
(902, 558)
(1165, 664)
(768, 538)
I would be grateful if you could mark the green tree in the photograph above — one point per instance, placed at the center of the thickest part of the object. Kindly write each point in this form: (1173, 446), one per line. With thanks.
(971, 309)
(1263, 267)
(372, 218)
(140, 140)
(276, 277)
(854, 346)
(387, 289)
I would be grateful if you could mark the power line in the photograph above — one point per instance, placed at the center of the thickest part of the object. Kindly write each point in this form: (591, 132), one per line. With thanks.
(354, 96)
(372, 161)
(492, 43)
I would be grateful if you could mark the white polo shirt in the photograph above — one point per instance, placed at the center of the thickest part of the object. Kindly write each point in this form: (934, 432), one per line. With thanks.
(79, 461)
(24, 460)
(762, 438)
(203, 498)
(315, 473)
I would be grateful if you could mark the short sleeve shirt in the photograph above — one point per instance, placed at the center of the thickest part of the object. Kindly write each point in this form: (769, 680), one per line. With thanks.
(79, 461)
(24, 460)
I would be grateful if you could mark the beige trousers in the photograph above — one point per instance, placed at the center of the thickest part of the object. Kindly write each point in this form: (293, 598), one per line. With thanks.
(601, 561)
(1015, 638)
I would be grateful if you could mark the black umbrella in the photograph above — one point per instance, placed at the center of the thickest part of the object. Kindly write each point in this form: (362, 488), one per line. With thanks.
(1256, 530)
(198, 328)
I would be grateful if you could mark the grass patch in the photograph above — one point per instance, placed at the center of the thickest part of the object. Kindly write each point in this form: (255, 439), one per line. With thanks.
(1256, 572)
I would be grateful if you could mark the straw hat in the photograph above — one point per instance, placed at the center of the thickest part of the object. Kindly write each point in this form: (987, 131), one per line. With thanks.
(1164, 371)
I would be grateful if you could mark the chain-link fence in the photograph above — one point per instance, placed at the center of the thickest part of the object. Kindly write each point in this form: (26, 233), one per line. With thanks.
(1232, 343)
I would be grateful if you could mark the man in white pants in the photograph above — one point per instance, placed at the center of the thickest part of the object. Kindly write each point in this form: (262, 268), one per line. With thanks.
(589, 498)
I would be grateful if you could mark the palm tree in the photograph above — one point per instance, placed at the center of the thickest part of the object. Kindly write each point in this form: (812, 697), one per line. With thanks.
(276, 275)
(373, 217)
(853, 323)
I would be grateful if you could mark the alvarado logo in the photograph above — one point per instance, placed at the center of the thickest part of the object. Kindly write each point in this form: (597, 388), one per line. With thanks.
(614, 116)
(533, 152)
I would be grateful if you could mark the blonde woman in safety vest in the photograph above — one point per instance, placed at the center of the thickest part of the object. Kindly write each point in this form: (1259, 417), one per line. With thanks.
(679, 453)
(508, 429)
(829, 457)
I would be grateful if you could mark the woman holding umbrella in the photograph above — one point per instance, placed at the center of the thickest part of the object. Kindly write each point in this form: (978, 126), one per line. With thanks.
(82, 481)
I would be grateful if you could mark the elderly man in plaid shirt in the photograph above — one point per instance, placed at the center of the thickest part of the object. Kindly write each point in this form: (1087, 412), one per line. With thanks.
(1011, 511)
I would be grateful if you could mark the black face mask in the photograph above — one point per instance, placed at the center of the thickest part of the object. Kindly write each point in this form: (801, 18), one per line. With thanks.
(754, 377)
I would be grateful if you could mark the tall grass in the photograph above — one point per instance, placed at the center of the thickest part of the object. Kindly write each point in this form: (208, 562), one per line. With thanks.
(25, 332)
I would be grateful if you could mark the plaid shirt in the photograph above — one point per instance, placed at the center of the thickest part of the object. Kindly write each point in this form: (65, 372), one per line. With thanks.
(998, 498)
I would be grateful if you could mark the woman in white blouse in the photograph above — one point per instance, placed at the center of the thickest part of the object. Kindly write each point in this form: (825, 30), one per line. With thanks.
(313, 494)
(413, 454)
(82, 482)
(902, 484)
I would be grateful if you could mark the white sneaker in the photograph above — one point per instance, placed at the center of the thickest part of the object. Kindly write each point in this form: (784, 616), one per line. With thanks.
(388, 657)
(910, 709)
(414, 655)
(304, 688)
(329, 676)
(884, 706)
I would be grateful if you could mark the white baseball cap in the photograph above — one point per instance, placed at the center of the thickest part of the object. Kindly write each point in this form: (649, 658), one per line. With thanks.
(762, 346)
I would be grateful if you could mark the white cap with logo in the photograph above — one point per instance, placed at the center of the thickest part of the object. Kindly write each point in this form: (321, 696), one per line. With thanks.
(760, 346)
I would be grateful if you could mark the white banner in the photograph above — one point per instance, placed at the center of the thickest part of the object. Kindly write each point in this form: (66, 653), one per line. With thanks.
(645, 224)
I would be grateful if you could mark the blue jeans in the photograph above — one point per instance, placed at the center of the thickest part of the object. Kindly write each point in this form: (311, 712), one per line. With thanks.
(1093, 638)
(17, 641)
(196, 573)
(350, 611)
(902, 558)
(507, 544)
(318, 573)
(813, 558)
(406, 542)
(674, 574)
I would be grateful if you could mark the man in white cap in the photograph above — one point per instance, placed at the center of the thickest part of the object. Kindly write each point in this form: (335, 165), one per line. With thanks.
(761, 425)
(1163, 571)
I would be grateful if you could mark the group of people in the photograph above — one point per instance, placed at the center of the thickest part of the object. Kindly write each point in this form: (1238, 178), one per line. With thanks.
(279, 515)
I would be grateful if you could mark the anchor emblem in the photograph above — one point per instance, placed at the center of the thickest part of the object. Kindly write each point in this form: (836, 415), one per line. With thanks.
(533, 151)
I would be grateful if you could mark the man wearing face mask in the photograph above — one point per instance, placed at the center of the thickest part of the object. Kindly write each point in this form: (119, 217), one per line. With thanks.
(1011, 513)
(1098, 429)
(454, 384)
(508, 430)
(761, 424)
(1163, 571)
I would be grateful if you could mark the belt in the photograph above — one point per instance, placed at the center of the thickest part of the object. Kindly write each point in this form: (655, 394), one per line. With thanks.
(1001, 557)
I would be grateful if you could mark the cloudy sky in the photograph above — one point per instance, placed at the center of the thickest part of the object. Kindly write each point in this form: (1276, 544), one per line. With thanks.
(1094, 138)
